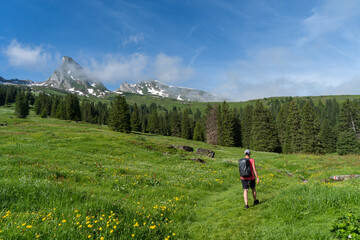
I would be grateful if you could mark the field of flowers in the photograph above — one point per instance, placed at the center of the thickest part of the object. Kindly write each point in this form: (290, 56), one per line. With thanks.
(68, 180)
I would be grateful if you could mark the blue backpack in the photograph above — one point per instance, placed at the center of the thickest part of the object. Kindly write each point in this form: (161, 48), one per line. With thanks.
(245, 167)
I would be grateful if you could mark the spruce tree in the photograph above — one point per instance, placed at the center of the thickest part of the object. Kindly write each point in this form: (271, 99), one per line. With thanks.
(186, 125)
(135, 119)
(263, 133)
(175, 123)
(224, 126)
(328, 136)
(21, 105)
(236, 127)
(72, 107)
(119, 115)
(199, 131)
(246, 126)
(293, 138)
(348, 128)
(281, 122)
(309, 130)
(154, 122)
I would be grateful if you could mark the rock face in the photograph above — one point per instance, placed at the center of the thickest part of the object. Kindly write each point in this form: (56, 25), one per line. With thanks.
(70, 76)
(156, 88)
(205, 152)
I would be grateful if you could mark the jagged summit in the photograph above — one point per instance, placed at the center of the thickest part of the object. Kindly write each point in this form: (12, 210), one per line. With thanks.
(70, 76)
(156, 88)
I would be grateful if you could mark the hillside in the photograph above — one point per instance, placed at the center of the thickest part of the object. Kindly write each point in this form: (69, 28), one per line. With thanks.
(63, 179)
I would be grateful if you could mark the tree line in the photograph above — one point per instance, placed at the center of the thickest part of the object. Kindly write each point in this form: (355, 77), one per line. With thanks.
(287, 125)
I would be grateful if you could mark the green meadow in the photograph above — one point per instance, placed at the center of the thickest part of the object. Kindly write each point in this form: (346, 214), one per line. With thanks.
(68, 180)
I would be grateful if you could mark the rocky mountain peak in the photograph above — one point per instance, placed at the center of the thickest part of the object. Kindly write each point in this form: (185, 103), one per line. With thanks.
(70, 76)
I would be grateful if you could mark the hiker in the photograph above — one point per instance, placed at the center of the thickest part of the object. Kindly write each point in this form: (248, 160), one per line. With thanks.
(247, 172)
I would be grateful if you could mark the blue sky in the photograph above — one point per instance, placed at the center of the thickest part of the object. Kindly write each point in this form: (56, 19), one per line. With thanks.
(237, 49)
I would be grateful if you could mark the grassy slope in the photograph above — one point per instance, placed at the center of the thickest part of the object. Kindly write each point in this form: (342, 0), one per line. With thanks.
(57, 176)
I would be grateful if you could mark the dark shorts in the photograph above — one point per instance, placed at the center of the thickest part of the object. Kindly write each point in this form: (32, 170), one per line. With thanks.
(247, 183)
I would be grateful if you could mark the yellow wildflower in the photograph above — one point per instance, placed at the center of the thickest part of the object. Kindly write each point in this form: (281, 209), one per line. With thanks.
(136, 224)
(153, 227)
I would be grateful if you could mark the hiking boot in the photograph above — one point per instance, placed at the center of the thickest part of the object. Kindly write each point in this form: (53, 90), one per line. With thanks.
(246, 206)
(256, 202)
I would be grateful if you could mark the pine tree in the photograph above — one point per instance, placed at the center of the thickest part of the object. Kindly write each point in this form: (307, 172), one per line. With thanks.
(72, 107)
(236, 127)
(293, 138)
(328, 136)
(135, 119)
(119, 115)
(348, 128)
(199, 131)
(246, 126)
(263, 133)
(224, 126)
(186, 125)
(281, 122)
(154, 122)
(309, 130)
(175, 124)
(21, 105)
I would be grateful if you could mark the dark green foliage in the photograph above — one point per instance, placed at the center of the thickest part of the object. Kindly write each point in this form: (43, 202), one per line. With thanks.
(346, 226)
(43, 103)
(88, 112)
(72, 107)
(348, 128)
(293, 138)
(119, 115)
(246, 126)
(224, 126)
(186, 130)
(328, 136)
(263, 133)
(175, 123)
(199, 131)
(228, 126)
(135, 119)
(309, 130)
(281, 123)
(21, 105)
(154, 122)
(236, 127)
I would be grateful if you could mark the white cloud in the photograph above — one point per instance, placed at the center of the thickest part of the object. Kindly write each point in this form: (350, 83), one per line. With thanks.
(26, 56)
(137, 39)
(170, 69)
(331, 16)
(114, 69)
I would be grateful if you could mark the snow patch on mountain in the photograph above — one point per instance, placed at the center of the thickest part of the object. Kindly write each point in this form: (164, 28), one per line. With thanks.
(157, 88)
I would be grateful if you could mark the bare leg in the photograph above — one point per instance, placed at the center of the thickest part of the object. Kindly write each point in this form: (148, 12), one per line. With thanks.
(246, 196)
(254, 193)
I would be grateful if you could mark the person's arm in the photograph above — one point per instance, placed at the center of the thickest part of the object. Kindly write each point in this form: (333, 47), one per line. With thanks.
(257, 176)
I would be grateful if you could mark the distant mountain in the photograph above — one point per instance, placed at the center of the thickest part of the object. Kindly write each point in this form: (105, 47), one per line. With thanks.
(15, 82)
(70, 76)
(156, 88)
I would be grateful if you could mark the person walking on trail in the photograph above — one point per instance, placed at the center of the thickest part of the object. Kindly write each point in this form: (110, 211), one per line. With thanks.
(248, 172)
